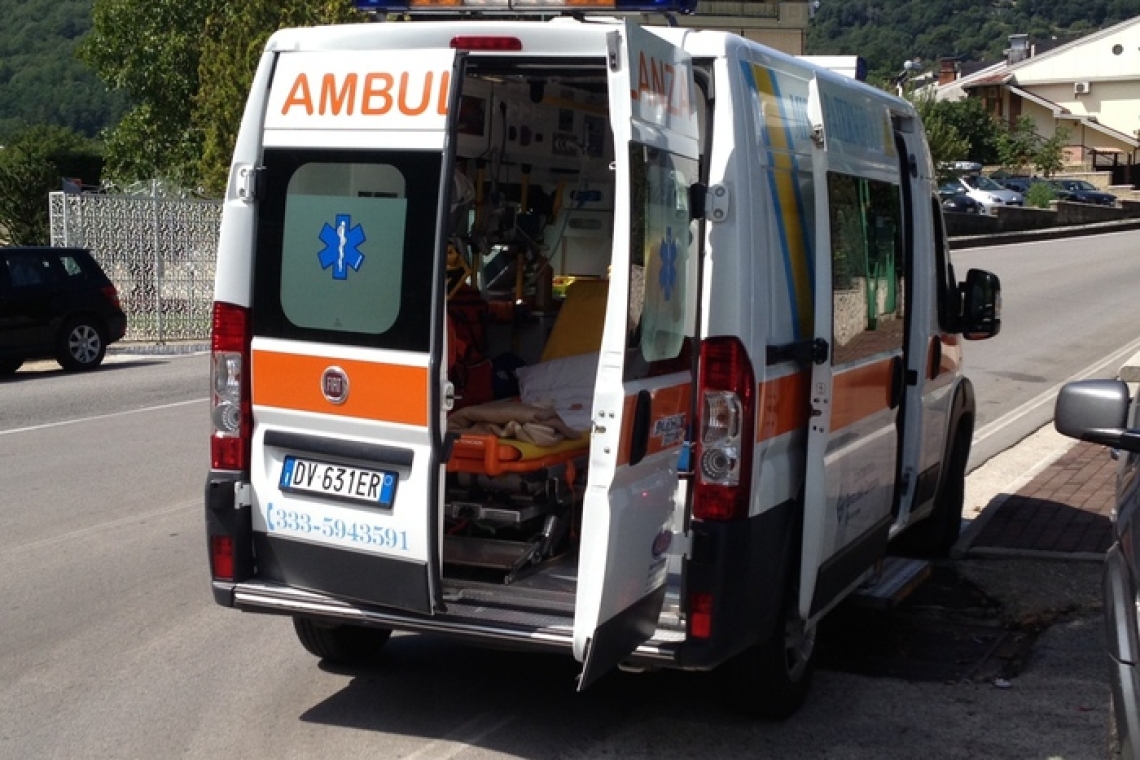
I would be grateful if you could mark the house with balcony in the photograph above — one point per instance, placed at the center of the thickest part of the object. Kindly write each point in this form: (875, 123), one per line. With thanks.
(1090, 86)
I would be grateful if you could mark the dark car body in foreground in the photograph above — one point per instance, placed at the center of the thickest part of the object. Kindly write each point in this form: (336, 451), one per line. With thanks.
(56, 303)
(1081, 191)
(1101, 411)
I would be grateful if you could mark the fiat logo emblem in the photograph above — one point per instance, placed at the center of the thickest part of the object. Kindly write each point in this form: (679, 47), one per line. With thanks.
(334, 385)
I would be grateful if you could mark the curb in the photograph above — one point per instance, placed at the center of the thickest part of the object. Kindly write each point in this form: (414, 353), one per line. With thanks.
(1048, 233)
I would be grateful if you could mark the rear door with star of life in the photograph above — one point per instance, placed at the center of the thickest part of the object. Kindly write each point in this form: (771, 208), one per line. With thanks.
(343, 381)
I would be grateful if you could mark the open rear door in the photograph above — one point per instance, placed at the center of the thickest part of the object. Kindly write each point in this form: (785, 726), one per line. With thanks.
(644, 386)
(347, 381)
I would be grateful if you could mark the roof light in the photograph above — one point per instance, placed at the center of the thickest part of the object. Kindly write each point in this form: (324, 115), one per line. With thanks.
(526, 6)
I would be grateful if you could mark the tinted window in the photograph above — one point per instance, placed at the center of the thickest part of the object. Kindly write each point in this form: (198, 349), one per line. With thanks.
(29, 269)
(346, 247)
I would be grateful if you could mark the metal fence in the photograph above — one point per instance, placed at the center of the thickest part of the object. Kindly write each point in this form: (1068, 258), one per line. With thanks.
(159, 252)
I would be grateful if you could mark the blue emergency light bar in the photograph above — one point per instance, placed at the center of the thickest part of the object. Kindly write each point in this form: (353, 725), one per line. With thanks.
(526, 6)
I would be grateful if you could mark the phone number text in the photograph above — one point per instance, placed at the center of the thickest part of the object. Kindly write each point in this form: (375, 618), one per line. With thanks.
(279, 520)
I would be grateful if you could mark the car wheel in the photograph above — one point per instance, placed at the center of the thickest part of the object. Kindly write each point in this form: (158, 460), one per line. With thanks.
(82, 345)
(772, 679)
(341, 644)
(9, 366)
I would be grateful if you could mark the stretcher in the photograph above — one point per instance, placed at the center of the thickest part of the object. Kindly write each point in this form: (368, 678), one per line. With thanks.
(569, 355)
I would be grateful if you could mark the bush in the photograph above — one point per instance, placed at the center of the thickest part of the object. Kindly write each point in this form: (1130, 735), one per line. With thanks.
(1039, 195)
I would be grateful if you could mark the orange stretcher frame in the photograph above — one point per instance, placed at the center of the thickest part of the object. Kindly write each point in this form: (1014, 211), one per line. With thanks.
(490, 455)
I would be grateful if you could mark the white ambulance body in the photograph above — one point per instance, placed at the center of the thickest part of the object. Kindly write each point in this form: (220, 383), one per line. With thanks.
(755, 366)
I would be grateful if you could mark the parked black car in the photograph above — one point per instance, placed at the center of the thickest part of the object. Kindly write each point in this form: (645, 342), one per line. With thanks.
(1081, 191)
(1102, 412)
(959, 202)
(56, 303)
(1019, 184)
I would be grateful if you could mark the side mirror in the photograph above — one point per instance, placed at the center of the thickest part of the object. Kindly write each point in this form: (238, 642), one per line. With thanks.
(1096, 411)
(981, 305)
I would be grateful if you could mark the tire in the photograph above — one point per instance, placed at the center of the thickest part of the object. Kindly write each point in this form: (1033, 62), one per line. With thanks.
(82, 344)
(9, 366)
(771, 680)
(934, 537)
(341, 644)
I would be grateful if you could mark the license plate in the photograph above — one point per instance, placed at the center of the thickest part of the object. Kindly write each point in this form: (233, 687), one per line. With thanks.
(357, 484)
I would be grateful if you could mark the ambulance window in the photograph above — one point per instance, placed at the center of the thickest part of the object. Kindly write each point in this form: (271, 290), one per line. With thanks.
(663, 261)
(866, 267)
(344, 242)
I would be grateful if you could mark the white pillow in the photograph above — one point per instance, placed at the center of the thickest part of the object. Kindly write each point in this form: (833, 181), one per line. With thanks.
(567, 384)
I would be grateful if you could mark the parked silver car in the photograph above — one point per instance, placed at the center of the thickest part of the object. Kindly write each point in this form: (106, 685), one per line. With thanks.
(986, 192)
(1102, 412)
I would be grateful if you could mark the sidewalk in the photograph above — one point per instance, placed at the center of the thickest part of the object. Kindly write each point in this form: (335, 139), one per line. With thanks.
(1064, 511)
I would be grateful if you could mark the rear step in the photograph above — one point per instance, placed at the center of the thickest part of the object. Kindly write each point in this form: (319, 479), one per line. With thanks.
(894, 580)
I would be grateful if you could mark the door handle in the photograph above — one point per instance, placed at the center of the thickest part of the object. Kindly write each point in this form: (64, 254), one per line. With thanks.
(639, 443)
(898, 381)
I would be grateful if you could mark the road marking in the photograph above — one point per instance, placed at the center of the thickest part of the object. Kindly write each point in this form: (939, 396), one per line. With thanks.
(1048, 396)
(461, 739)
(61, 423)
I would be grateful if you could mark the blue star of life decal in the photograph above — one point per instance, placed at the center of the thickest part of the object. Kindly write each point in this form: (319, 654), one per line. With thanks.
(341, 249)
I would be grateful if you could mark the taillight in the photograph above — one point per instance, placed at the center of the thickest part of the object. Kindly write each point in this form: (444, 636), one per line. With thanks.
(700, 615)
(222, 557)
(726, 429)
(230, 408)
(112, 295)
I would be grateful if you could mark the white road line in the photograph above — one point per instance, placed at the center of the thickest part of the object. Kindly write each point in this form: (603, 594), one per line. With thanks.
(1048, 396)
(102, 416)
(461, 739)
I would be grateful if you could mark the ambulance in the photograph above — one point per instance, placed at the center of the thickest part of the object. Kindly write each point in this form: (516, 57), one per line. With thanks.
(540, 328)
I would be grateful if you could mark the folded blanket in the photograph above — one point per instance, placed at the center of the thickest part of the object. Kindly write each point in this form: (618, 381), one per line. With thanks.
(531, 423)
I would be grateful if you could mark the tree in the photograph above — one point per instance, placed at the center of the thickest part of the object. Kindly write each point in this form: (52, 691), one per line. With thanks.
(187, 64)
(946, 143)
(232, 44)
(1017, 145)
(32, 166)
(151, 49)
(1050, 156)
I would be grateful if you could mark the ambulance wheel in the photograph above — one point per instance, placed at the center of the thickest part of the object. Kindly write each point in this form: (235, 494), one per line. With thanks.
(82, 344)
(341, 644)
(934, 537)
(772, 679)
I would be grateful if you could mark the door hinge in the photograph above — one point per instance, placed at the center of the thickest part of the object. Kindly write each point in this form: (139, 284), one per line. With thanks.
(248, 182)
(716, 203)
(243, 495)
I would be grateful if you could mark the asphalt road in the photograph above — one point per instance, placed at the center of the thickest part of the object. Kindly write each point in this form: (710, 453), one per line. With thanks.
(113, 648)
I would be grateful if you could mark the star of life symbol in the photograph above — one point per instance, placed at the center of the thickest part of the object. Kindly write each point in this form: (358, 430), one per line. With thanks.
(341, 249)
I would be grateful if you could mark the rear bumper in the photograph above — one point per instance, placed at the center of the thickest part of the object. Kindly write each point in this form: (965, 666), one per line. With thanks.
(116, 328)
(474, 623)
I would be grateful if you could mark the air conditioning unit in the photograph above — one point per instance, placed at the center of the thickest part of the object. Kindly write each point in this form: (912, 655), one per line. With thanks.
(1082, 88)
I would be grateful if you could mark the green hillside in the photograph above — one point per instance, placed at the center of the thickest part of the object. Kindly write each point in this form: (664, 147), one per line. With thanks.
(889, 32)
(41, 80)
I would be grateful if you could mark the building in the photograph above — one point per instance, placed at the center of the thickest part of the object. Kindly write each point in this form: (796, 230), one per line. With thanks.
(1090, 86)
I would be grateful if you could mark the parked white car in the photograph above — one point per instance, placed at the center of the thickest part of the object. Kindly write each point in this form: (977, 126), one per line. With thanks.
(985, 191)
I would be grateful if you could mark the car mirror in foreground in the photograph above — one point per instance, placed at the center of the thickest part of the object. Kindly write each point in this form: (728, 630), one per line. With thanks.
(1096, 411)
